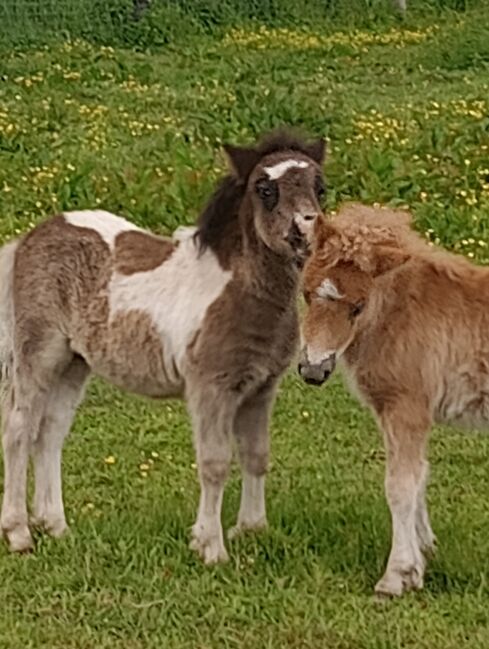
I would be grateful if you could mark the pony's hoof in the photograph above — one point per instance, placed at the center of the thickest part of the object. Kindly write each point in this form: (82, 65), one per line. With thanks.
(396, 582)
(55, 527)
(242, 527)
(19, 540)
(429, 550)
(209, 548)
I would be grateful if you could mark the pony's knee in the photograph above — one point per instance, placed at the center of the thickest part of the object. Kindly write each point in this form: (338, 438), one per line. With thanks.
(214, 470)
(15, 425)
(21, 427)
(256, 462)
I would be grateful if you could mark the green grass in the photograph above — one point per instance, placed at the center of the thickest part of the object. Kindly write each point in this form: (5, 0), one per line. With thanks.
(149, 22)
(406, 112)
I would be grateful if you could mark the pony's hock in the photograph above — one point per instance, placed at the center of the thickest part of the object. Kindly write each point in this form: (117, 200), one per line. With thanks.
(209, 315)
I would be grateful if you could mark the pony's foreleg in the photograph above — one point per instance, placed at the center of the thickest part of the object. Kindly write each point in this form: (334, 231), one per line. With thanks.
(252, 434)
(426, 537)
(405, 431)
(212, 415)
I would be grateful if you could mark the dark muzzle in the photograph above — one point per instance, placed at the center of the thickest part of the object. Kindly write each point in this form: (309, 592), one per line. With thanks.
(299, 244)
(316, 373)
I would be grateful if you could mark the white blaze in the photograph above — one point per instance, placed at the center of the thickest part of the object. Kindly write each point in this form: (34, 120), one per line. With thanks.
(328, 289)
(279, 169)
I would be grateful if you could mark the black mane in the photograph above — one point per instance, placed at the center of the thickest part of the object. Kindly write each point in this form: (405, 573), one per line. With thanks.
(223, 206)
(282, 140)
(221, 210)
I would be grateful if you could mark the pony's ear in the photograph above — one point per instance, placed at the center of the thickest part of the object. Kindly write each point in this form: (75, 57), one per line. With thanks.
(316, 150)
(322, 231)
(387, 258)
(242, 159)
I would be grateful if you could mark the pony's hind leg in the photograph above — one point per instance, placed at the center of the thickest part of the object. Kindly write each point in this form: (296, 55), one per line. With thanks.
(22, 416)
(252, 435)
(40, 356)
(62, 401)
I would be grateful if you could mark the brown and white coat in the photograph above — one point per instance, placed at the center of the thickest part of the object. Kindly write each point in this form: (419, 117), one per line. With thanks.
(209, 315)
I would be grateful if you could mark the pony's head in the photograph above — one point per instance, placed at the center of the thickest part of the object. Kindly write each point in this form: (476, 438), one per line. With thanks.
(347, 261)
(279, 184)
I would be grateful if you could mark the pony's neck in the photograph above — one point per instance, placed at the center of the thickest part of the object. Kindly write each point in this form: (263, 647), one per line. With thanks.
(240, 250)
(384, 300)
(263, 266)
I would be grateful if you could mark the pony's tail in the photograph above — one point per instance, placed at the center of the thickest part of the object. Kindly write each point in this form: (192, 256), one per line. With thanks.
(7, 256)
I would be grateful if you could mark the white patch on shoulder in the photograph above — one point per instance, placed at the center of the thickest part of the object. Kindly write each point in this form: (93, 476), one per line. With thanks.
(107, 225)
(329, 290)
(279, 169)
(176, 296)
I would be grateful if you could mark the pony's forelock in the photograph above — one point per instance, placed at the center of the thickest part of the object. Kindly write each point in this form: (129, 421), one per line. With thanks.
(355, 244)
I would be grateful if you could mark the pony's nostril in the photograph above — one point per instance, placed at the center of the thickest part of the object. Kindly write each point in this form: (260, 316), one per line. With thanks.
(294, 236)
(315, 380)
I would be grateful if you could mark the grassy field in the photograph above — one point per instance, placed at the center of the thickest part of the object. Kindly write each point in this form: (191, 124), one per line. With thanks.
(405, 110)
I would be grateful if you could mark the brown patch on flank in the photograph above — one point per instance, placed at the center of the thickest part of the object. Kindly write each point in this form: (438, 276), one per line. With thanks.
(132, 356)
(137, 252)
(61, 273)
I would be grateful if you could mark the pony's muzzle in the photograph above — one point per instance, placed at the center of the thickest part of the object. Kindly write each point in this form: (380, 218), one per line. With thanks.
(298, 243)
(294, 237)
(316, 373)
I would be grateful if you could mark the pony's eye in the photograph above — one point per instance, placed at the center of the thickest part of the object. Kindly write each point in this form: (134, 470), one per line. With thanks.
(356, 309)
(267, 190)
(265, 187)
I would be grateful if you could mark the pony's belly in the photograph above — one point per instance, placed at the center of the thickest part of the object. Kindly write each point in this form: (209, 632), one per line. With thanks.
(465, 398)
(131, 354)
(143, 383)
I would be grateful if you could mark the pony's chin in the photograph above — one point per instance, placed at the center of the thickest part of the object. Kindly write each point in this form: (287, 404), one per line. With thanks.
(298, 251)
(294, 253)
(301, 255)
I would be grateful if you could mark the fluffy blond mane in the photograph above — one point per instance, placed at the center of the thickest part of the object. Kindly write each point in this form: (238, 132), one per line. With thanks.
(358, 231)
(353, 233)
